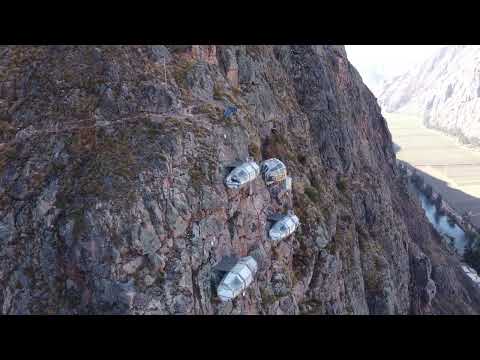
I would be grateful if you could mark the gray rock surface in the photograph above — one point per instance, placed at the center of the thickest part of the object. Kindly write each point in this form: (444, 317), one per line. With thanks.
(113, 201)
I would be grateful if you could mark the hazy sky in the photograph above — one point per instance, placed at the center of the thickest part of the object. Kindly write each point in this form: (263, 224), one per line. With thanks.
(378, 62)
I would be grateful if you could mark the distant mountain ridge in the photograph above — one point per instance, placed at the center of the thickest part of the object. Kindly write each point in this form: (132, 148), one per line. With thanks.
(444, 90)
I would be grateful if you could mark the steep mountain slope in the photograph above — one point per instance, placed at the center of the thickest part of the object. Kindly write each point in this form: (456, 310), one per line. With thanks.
(445, 90)
(112, 197)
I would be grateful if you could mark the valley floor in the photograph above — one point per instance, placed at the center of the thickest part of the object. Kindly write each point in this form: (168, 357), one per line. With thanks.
(451, 168)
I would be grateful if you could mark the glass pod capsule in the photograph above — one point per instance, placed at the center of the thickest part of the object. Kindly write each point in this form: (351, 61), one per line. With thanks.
(284, 227)
(237, 279)
(273, 170)
(242, 174)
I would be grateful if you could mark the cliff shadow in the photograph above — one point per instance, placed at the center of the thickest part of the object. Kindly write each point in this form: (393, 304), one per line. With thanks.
(458, 200)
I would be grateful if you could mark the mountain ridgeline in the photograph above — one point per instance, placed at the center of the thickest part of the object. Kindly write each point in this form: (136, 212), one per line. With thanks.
(112, 194)
(444, 90)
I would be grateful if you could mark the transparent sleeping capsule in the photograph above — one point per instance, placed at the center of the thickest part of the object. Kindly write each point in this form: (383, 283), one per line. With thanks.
(237, 279)
(242, 174)
(284, 227)
(273, 170)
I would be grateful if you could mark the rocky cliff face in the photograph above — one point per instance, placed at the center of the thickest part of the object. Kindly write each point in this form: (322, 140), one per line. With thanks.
(445, 90)
(112, 197)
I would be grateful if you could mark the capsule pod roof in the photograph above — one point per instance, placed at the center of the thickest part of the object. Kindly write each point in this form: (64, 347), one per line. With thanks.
(242, 174)
(273, 170)
(284, 227)
(237, 279)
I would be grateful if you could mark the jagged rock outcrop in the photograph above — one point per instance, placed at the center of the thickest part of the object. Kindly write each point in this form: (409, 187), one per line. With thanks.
(112, 197)
(444, 90)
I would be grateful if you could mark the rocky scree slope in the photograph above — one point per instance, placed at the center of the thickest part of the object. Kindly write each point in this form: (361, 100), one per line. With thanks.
(112, 198)
(445, 91)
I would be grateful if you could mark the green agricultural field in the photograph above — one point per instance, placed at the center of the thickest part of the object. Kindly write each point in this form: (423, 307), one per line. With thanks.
(453, 168)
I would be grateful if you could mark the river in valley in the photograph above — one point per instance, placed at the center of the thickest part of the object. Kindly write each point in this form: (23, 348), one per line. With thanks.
(457, 237)
(452, 169)
(442, 225)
